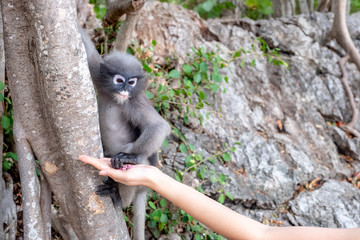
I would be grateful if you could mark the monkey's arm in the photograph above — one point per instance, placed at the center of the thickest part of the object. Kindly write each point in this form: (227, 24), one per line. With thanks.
(153, 130)
(93, 57)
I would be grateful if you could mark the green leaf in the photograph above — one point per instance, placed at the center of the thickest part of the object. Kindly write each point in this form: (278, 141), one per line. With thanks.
(2, 86)
(152, 205)
(197, 77)
(197, 236)
(155, 216)
(226, 157)
(203, 67)
(191, 147)
(222, 179)
(174, 74)
(151, 224)
(221, 198)
(216, 77)
(163, 218)
(201, 95)
(11, 155)
(253, 62)
(6, 165)
(237, 54)
(187, 68)
(156, 234)
(242, 63)
(165, 143)
(1, 97)
(5, 122)
(147, 68)
(153, 42)
(202, 173)
(149, 95)
(229, 195)
(163, 202)
(161, 226)
(183, 148)
(200, 105)
(212, 160)
(214, 87)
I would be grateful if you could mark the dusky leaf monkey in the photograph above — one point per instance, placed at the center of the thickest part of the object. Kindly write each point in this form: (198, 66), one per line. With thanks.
(132, 131)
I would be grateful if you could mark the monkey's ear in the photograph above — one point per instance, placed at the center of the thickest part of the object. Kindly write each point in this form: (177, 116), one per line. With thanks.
(106, 70)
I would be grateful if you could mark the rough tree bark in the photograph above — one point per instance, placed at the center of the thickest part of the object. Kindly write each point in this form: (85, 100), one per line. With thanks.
(116, 9)
(2, 78)
(306, 6)
(284, 7)
(55, 120)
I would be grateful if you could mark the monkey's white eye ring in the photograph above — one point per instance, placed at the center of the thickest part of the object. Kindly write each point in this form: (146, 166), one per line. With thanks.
(132, 81)
(118, 79)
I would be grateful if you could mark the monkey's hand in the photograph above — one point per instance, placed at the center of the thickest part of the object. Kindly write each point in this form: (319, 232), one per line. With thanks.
(121, 158)
(109, 188)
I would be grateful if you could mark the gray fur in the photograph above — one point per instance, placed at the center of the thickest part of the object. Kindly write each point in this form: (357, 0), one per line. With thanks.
(132, 126)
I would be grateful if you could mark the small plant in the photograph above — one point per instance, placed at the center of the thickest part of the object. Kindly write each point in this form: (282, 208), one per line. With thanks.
(213, 8)
(99, 8)
(206, 9)
(179, 93)
(7, 120)
(258, 9)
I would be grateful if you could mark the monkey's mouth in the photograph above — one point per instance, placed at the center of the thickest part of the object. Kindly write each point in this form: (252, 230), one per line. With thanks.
(122, 95)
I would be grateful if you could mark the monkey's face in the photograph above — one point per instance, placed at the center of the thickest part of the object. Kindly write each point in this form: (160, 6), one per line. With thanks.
(122, 83)
(124, 86)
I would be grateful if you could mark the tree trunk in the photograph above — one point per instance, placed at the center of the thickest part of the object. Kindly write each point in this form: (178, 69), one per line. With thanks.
(55, 119)
(2, 79)
(306, 6)
(284, 8)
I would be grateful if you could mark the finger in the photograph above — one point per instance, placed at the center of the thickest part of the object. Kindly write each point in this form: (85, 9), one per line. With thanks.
(101, 163)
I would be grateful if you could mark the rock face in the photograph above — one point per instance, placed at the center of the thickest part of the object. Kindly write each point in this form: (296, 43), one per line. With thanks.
(277, 167)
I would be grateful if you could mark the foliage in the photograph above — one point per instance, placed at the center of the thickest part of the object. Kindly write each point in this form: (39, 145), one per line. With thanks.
(205, 8)
(354, 6)
(99, 8)
(7, 123)
(213, 8)
(180, 93)
(258, 9)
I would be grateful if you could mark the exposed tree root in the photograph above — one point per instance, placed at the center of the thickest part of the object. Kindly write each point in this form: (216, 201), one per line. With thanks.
(355, 113)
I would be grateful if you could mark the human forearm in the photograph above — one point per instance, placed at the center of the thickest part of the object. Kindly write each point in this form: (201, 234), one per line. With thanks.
(209, 212)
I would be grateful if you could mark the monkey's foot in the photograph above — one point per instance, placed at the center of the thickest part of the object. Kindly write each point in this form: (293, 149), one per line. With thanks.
(121, 158)
(109, 188)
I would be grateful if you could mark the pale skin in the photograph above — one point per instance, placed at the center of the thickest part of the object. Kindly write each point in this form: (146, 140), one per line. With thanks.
(219, 218)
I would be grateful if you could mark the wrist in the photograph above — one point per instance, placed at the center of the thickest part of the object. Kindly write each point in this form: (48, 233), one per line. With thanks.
(154, 178)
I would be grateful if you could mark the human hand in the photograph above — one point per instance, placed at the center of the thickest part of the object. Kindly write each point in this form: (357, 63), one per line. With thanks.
(129, 175)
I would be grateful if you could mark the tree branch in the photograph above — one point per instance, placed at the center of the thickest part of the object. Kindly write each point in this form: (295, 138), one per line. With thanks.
(115, 9)
(33, 222)
(126, 31)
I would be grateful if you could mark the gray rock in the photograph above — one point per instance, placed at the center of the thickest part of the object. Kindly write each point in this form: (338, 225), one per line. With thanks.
(335, 204)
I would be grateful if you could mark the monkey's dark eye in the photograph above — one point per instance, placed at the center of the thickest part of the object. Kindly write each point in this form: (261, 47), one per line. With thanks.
(132, 81)
(118, 79)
